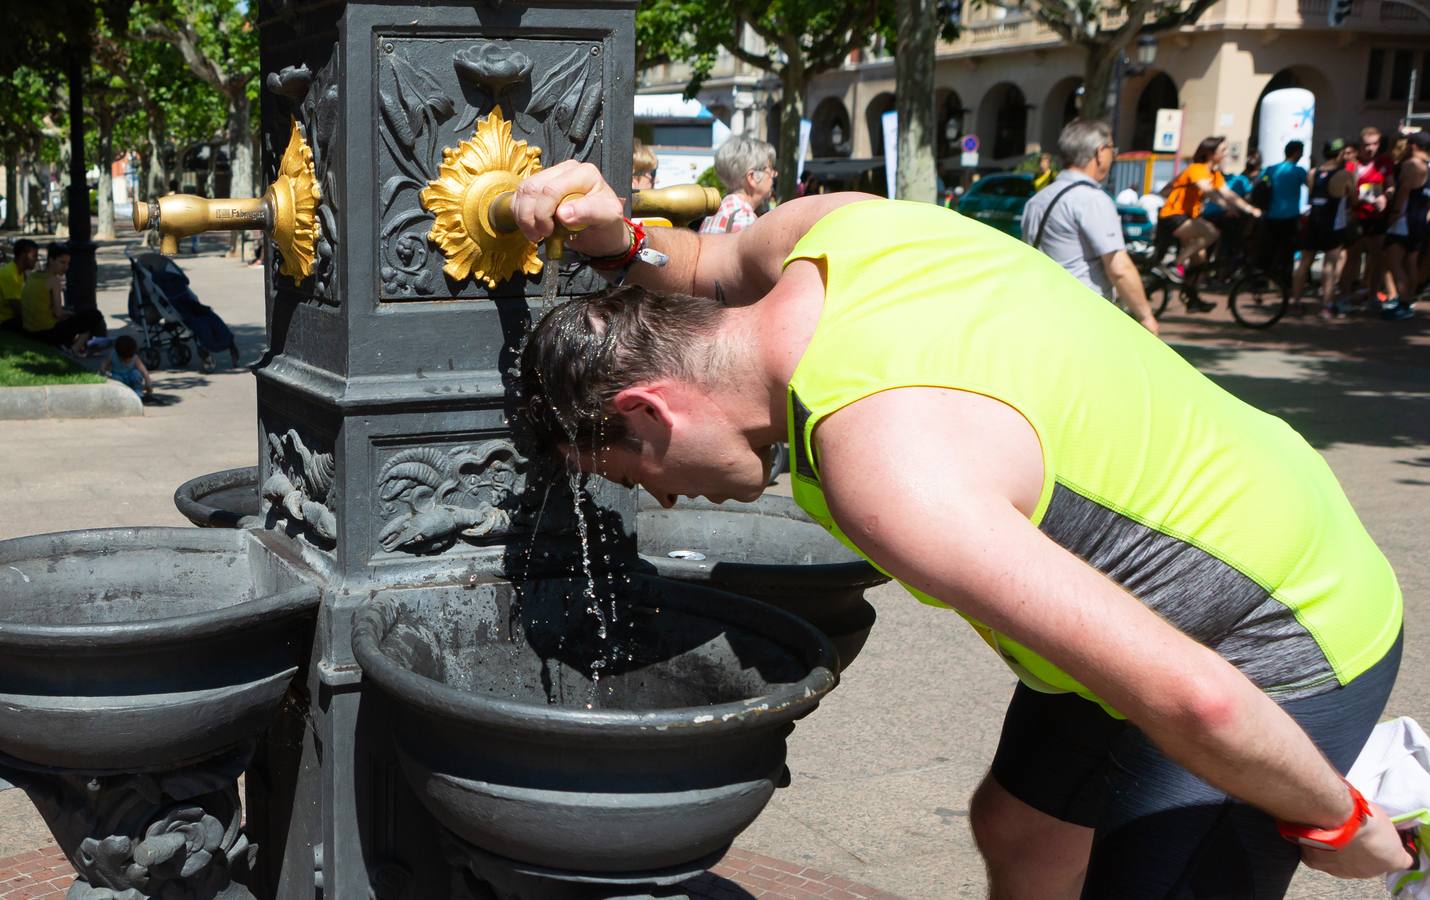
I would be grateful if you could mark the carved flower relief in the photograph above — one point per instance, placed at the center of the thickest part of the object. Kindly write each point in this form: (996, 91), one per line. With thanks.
(495, 65)
(406, 268)
(174, 859)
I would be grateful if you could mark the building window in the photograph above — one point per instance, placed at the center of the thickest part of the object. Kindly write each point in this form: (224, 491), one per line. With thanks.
(1373, 71)
(1401, 65)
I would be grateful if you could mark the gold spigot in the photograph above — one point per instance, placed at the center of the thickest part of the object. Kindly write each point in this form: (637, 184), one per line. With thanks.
(501, 218)
(288, 210)
(470, 201)
(184, 215)
(681, 204)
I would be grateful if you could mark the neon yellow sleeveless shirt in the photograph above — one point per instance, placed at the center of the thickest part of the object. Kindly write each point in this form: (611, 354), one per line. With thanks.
(1216, 515)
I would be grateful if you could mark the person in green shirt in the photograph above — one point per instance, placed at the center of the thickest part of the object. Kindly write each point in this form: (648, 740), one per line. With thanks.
(43, 313)
(1203, 631)
(12, 282)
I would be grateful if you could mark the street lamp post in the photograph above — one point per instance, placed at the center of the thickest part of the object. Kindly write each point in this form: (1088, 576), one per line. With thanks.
(1146, 55)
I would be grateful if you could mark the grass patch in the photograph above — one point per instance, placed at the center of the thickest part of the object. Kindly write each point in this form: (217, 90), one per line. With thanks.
(26, 363)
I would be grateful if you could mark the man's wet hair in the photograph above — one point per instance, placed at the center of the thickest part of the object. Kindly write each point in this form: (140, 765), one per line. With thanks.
(585, 351)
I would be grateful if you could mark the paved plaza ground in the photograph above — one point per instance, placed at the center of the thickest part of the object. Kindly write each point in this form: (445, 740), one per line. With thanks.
(883, 771)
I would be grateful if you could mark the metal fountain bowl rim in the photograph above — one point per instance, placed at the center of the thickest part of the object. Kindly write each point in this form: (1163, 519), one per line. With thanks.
(119, 636)
(851, 574)
(188, 500)
(785, 703)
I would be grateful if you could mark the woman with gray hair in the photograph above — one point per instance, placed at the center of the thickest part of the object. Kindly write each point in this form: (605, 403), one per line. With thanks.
(747, 167)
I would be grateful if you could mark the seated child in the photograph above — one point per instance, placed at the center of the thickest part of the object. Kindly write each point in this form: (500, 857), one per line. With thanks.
(125, 365)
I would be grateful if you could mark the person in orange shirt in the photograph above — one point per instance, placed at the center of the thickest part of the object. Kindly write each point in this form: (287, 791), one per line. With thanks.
(1180, 215)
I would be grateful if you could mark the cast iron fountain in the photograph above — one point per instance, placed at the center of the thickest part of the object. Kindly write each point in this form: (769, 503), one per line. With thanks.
(400, 646)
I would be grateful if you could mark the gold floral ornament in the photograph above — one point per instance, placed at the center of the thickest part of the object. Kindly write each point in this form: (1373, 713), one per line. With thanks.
(293, 199)
(472, 175)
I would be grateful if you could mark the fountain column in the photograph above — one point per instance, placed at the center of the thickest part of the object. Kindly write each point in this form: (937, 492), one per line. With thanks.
(386, 451)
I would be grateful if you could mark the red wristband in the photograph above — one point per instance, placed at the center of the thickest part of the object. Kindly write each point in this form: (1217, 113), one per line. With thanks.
(1329, 838)
(621, 260)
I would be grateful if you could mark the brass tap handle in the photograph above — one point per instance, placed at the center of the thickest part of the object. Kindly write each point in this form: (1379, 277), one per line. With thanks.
(502, 219)
(184, 215)
(287, 210)
(681, 204)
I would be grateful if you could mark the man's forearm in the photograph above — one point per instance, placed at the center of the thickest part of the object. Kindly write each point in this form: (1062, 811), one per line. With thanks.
(1249, 747)
(1128, 284)
(682, 247)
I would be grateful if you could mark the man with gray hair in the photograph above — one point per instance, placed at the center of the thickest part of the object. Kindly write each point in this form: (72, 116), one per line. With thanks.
(1076, 223)
(746, 166)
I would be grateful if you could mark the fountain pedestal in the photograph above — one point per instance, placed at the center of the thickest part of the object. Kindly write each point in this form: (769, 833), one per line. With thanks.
(391, 483)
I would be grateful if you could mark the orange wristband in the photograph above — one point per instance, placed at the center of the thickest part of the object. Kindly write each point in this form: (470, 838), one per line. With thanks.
(1329, 838)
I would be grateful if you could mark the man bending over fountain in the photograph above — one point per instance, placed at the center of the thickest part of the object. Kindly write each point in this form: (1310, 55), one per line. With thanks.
(1131, 539)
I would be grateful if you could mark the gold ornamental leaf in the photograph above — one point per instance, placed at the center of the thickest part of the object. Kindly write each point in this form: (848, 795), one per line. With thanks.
(471, 175)
(294, 197)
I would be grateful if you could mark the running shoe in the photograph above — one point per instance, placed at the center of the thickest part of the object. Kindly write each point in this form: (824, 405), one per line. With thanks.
(1171, 276)
(1396, 311)
(1195, 305)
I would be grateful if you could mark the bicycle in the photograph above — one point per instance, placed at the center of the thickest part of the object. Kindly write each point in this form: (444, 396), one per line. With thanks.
(1160, 291)
(1258, 299)
(1147, 257)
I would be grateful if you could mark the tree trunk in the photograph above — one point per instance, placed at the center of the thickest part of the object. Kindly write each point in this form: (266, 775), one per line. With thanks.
(12, 191)
(913, 99)
(1099, 80)
(240, 154)
(105, 231)
(60, 173)
(792, 83)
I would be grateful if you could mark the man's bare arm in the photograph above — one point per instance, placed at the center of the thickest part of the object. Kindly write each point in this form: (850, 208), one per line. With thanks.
(937, 486)
(745, 264)
(1128, 283)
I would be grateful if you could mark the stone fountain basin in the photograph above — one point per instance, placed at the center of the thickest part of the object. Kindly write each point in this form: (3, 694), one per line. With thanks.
(681, 749)
(226, 499)
(138, 649)
(768, 550)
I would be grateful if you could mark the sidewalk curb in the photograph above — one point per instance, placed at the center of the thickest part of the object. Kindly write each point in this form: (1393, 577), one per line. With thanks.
(70, 401)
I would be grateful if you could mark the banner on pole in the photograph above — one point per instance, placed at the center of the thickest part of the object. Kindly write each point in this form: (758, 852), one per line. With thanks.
(805, 125)
(890, 121)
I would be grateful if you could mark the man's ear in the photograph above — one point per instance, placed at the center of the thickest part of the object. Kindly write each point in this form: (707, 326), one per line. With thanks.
(643, 406)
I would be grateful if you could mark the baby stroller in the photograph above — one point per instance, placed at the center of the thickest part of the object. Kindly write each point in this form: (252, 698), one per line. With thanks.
(170, 316)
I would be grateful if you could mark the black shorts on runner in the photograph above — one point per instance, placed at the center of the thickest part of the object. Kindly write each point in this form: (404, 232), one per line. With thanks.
(1412, 243)
(1160, 831)
(1320, 239)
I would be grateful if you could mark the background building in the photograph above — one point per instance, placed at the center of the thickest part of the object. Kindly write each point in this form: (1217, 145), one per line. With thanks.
(1013, 82)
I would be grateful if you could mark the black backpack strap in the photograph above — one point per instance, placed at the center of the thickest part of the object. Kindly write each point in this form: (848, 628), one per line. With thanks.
(1048, 213)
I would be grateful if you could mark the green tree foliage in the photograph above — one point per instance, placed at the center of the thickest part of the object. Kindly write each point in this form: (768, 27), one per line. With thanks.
(218, 42)
(175, 110)
(1104, 30)
(32, 122)
(801, 38)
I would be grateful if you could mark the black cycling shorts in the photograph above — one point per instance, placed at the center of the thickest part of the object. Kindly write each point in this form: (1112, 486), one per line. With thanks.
(1169, 224)
(1412, 243)
(1160, 831)
(1320, 238)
